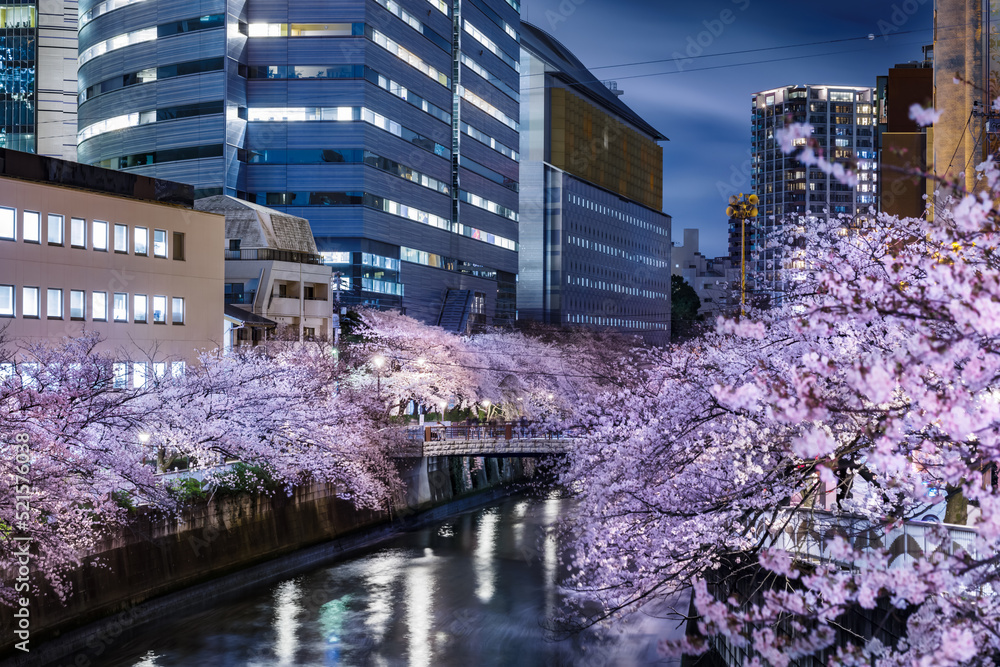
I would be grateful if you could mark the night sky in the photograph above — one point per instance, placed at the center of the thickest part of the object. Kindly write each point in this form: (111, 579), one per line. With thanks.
(706, 114)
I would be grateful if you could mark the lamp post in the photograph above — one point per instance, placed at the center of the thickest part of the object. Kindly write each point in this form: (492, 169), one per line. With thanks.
(743, 208)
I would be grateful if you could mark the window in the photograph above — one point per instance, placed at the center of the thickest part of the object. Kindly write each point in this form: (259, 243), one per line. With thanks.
(32, 227)
(8, 224)
(159, 243)
(159, 370)
(177, 310)
(99, 306)
(120, 370)
(159, 310)
(100, 238)
(6, 301)
(29, 302)
(309, 333)
(177, 369)
(141, 308)
(77, 304)
(141, 241)
(179, 246)
(54, 304)
(121, 238)
(121, 307)
(282, 290)
(55, 229)
(78, 232)
(139, 374)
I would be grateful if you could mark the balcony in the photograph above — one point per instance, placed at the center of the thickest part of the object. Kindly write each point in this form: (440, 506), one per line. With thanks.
(272, 255)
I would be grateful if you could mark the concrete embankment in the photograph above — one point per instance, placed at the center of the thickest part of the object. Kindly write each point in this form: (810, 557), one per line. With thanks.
(161, 566)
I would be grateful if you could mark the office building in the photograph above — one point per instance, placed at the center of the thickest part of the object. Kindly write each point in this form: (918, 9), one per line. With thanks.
(274, 271)
(392, 126)
(595, 245)
(715, 281)
(38, 77)
(844, 125)
(126, 256)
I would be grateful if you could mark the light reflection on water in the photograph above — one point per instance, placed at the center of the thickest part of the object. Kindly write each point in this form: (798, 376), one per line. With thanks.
(478, 589)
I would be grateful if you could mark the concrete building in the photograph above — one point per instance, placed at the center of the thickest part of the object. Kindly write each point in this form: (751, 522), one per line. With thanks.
(595, 246)
(391, 125)
(38, 77)
(844, 122)
(88, 249)
(902, 144)
(715, 281)
(273, 271)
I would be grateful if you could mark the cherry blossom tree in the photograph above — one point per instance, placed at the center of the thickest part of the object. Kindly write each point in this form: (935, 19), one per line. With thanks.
(874, 385)
(87, 443)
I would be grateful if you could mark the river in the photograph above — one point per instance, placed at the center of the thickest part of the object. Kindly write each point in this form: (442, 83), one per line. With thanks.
(476, 590)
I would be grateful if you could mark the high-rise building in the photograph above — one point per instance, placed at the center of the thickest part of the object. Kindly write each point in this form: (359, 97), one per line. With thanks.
(595, 244)
(844, 125)
(38, 77)
(391, 125)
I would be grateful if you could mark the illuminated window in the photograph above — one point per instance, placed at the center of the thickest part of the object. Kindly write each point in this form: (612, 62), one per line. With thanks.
(159, 243)
(99, 306)
(8, 224)
(159, 310)
(140, 308)
(121, 238)
(77, 304)
(54, 303)
(32, 227)
(121, 307)
(29, 302)
(177, 310)
(100, 235)
(6, 301)
(56, 232)
(141, 241)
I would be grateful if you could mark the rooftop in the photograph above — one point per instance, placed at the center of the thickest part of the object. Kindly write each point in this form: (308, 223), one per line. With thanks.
(573, 72)
(54, 171)
(260, 227)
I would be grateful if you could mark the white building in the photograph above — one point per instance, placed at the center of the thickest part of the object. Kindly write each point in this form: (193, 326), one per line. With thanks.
(273, 271)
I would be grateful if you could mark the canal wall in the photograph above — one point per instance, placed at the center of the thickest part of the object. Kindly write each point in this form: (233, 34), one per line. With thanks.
(160, 565)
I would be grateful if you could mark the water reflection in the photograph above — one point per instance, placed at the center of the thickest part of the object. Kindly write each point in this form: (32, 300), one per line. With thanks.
(478, 589)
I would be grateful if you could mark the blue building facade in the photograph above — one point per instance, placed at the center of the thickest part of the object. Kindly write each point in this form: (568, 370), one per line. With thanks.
(595, 246)
(391, 125)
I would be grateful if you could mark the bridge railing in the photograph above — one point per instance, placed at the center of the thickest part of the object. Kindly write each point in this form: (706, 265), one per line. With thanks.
(492, 431)
(808, 534)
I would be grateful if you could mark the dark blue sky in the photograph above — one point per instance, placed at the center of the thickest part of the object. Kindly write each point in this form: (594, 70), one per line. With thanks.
(706, 114)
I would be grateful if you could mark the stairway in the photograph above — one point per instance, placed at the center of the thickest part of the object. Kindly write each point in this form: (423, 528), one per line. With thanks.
(455, 311)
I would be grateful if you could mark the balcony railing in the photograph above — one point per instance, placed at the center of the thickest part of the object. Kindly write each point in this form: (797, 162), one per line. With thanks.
(272, 255)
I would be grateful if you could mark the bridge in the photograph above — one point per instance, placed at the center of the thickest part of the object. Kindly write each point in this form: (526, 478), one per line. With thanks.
(509, 439)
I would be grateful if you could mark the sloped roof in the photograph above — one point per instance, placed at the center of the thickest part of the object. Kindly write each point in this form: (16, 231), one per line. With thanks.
(260, 227)
(579, 78)
(246, 318)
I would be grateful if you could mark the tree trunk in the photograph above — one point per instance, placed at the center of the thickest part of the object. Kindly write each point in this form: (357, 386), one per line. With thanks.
(957, 508)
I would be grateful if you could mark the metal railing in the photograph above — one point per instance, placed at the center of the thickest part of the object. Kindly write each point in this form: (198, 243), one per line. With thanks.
(489, 431)
(270, 254)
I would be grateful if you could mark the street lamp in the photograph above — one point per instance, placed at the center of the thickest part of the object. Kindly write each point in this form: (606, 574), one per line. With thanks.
(743, 208)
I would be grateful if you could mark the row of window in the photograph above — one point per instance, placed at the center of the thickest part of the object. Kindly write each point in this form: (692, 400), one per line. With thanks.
(347, 72)
(151, 34)
(150, 74)
(143, 307)
(395, 208)
(33, 375)
(138, 118)
(161, 156)
(31, 232)
(346, 114)
(492, 46)
(345, 156)
(574, 318)
(614, 287)
(616, 252)
(415, 23)
(483, 105)
(614, 213)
